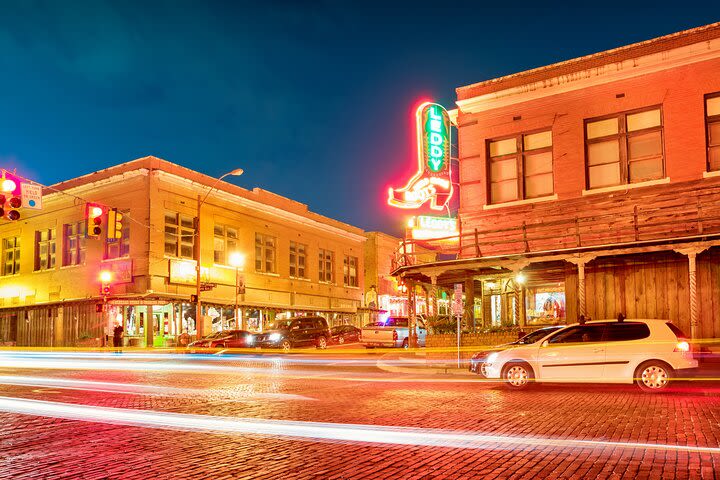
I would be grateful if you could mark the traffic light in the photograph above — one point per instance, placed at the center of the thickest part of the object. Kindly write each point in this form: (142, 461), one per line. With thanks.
(93, 219)
(10, 198)
(114, 225)
(105, 279)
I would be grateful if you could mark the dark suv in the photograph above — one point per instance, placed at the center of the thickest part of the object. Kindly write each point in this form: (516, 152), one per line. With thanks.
(295, 332)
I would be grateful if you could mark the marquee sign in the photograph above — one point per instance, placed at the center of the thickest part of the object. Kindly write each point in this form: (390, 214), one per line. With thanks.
(432, 181)
(425, 227)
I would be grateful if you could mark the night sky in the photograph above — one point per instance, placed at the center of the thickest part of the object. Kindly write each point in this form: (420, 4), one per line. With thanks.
(313, 99)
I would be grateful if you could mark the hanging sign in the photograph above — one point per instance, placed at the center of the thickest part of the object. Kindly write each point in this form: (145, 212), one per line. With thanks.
(431, 183)
(424, 227)
(31, 195)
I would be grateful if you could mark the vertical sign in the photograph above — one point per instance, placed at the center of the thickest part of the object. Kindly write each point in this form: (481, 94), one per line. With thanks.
(432, 181)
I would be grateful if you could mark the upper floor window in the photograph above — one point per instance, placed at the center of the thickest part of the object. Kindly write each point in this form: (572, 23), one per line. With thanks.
(11, 256)
(521, 167)
(225, 243)
(179, 235)
(74, 243)
(712, 121)
(265, 253)
(326, 266)
(350, 274)
(45, 249)
(625, 148)
(298, 257)
(119, 247)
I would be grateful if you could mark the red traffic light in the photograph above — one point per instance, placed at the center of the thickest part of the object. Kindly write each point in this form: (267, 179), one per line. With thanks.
(15, 202)
(13, 215)
(93, 219)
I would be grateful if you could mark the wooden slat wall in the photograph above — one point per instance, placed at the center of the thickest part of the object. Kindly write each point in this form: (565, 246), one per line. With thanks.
(655, 286)
(81, 319)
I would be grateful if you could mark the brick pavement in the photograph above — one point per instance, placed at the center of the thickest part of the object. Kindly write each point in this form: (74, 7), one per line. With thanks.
(40, 447)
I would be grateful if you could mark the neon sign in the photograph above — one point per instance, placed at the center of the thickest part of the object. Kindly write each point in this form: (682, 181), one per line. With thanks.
(432, 180)
(428, 228)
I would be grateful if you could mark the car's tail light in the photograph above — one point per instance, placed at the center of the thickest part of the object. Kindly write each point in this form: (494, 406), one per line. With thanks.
(395, 335)
(682, 346)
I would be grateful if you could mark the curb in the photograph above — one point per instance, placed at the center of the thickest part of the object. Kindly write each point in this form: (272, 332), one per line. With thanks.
(445, 370)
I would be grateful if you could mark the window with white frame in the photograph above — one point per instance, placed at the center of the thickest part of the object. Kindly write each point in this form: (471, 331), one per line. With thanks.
(225, 242)
(11, 256)
(119, 247)
(350, 274)
(45, 249)
(298, 258)
(520, 167)
(265, 253)
(326, 266)
(179, 235)
(712, 123)
(624, 148)
(74, 243)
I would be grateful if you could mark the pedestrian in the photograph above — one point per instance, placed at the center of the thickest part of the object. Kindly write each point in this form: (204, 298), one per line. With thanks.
(581, 320)
(184, 339)
(117, 337)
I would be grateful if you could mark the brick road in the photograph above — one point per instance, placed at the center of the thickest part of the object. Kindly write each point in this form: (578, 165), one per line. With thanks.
(617, 418)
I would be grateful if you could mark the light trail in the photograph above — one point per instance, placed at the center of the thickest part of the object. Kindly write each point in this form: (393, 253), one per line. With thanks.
(317, 431)
(140, 389)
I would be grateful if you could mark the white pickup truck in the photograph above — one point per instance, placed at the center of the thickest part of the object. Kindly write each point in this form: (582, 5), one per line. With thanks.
(392, 332)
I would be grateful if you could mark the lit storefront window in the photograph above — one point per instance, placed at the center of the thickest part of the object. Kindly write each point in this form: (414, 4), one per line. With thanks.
(545, 304)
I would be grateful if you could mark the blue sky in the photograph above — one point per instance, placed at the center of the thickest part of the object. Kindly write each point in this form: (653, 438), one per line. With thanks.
(313, 99)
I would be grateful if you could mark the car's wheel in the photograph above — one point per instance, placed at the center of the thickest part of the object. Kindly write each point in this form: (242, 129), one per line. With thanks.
(341, 339)
(517, 375)
(286, 346)
(482, 370)
(322, 342)
(653, 376)
(405, 344)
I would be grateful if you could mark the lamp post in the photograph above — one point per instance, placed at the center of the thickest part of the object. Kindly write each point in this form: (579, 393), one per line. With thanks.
(196, 244)
(237, 260)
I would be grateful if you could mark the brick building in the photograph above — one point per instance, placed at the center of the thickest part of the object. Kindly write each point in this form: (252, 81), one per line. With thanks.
(296, 261)
(592, 186)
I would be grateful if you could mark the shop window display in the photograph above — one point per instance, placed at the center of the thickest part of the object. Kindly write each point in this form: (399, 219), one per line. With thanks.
(545, 305)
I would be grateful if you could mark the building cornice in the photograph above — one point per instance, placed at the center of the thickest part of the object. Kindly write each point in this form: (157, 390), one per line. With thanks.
(595, 76)
(261, 207)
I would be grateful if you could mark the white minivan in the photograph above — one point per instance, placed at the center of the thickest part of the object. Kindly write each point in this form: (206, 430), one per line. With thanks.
(647, 352)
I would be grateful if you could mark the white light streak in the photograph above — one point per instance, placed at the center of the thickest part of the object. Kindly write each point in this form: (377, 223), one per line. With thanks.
(314, 430)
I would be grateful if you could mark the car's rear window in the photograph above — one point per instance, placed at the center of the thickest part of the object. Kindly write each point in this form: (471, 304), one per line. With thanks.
(396, 322)
(620, 332)
(676, 330)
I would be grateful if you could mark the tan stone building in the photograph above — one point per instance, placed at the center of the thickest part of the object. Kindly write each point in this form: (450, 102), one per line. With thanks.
(296, 261)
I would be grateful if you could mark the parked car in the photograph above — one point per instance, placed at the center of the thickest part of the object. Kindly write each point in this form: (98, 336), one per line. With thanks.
(392, 332)
(295, 332)
(646, 352)
(344, 334)
(225, 339)
(477, 362)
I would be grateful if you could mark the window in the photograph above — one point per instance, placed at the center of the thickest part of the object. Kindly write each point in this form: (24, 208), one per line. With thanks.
(396, 322)
(545, 304)
(350, 276)
(619, 332)
(712, 122)
(11, 256)
(45, 249)
(74, 243)
(119, 247)
(521, 167)
(326, 266)
(264, 253)
(298, 256)
(224, 244)
(579, 334)
(625, 148)
(179, 235)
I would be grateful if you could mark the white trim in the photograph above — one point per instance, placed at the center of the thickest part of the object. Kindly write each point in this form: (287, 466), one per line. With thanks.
(85, 187)
(626, 187)
(267, 209)
(611, 72)
(520, 202)
(712, 174)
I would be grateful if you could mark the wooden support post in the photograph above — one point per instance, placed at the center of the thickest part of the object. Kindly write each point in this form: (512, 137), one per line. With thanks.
(581, 289)
(469, 313)
(693, 295)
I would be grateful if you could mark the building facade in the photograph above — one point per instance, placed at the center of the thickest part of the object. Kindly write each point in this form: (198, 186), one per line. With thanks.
(296, 261)
(591, 187)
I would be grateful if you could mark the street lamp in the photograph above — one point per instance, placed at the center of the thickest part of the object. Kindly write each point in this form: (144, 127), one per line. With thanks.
(200, 201)
(237, 260)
